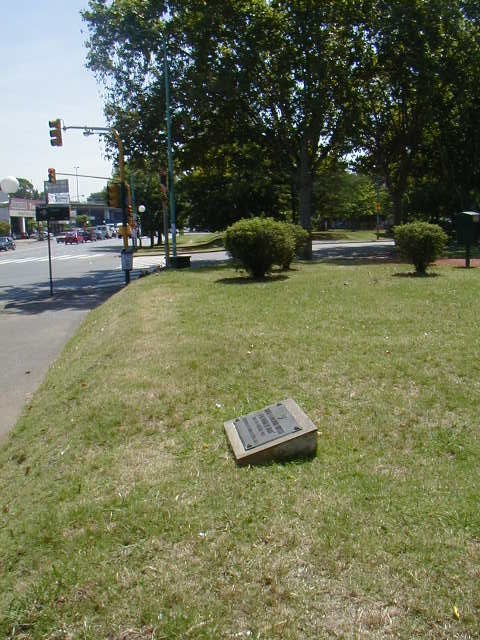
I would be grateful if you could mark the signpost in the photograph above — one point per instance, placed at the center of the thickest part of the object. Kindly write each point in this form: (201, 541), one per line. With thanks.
(46, 213)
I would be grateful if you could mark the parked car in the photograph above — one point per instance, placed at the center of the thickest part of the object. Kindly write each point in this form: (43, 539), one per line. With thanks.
(11, 242)
(104, 230)
(4, 243)
(61, 237)
(74, 237)
(89, 235)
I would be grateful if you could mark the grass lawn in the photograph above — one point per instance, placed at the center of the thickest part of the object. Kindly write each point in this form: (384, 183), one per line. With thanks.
(191, 243)
(187, 243)
(347, 235)
(124, 517)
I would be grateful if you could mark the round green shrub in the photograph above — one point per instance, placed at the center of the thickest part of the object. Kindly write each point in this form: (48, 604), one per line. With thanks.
(420, 243)
(259, 243)
(301, 238)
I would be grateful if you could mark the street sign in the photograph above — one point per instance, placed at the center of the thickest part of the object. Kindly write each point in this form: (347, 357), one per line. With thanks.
(45, 213)
(58, 192)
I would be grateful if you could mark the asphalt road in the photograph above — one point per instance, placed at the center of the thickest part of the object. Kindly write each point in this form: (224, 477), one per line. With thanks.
(34, 326)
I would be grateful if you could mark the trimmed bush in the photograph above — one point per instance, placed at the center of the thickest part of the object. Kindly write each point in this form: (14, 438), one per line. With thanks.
(259, 243)
(420, 243)
(4, 228)
(301, 238)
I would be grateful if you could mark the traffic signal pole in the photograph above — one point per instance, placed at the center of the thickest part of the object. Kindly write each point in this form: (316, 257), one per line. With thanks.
(121, 167)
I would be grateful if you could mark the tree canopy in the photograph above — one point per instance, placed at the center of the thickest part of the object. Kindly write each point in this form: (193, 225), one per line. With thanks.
(26, 190)
(267, 95)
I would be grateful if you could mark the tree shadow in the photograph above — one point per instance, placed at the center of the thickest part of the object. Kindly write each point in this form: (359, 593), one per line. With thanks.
(112, 248)
(414, 274)
(75, 293)
(242, 280)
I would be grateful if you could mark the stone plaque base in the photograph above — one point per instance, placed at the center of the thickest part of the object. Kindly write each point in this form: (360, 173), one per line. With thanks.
(281, 431)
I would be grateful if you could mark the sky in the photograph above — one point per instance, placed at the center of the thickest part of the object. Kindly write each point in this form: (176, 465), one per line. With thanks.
(43, 77)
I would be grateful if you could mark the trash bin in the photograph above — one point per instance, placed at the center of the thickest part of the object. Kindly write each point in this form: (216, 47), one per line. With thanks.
(468, 226)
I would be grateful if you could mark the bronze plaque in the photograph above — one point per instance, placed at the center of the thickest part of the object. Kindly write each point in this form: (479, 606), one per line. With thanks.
(265, 426)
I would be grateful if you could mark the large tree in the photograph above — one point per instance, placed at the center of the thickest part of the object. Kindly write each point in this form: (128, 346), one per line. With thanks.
(266, 93)
(284, 76)
(421, 101)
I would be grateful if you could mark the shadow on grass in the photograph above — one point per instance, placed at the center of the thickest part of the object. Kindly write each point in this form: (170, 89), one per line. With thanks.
(414, 274)
(276, 277)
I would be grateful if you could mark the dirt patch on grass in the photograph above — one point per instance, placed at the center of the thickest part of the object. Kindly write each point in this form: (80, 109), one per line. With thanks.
(456, 262)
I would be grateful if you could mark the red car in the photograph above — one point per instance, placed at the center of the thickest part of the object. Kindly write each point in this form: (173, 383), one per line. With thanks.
(74, 237)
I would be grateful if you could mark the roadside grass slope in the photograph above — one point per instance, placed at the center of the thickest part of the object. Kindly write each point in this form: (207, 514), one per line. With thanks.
(122, 512)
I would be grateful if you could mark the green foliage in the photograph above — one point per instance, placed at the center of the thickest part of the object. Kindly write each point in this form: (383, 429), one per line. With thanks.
(259, 243)
(300, 236)
(342, 195)
(82, 220)
(264, 93)
(4, 228)
(236, 181)
(26, 190)
(420, 243)
(98, 196)
(242, 75)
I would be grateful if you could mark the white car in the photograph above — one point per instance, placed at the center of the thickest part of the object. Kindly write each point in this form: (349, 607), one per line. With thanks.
(103, 230)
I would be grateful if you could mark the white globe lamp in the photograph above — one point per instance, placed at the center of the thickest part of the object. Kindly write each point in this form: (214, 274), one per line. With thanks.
(9, 184)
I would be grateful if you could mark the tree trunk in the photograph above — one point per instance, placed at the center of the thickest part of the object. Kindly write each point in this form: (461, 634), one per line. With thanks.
(397, 208)
(305, 193)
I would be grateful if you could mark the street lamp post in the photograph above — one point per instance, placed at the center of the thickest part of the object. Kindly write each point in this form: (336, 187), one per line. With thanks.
(141, 211)
(76, 177)
(170, 153)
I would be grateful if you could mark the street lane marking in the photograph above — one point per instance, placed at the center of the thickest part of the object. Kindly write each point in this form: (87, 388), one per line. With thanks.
(80, 256)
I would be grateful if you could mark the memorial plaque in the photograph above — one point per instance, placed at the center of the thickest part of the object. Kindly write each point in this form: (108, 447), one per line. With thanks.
(277, 432)
(264, 426)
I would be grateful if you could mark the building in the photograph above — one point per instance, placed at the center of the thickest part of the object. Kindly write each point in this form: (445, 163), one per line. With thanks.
(20, 213)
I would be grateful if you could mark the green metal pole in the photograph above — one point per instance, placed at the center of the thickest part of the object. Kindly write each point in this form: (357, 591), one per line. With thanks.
(137, 237)
(170, 155)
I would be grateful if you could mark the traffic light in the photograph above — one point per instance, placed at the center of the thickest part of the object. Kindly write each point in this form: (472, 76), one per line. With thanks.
(55, 132)
(114, 195)
(130, 215)
(52, 176)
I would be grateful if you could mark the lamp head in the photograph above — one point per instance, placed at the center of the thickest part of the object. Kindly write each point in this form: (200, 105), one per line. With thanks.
(9, 184)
